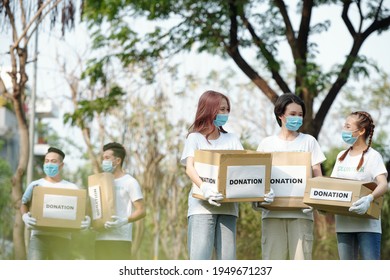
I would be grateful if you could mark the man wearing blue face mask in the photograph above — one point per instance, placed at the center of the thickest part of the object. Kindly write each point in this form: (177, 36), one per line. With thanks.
(114, 242)
(49, 245)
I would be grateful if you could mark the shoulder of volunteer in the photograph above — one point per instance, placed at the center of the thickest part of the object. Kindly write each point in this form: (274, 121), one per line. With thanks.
(130, 178)
(36, 182)
(309, 136)
(194, 134)
(193, 138)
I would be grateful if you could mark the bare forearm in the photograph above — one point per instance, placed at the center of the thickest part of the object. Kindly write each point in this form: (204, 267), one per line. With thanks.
(138, 213)
(23, 209)
(317, 170)
(191, 172)
(382, 186)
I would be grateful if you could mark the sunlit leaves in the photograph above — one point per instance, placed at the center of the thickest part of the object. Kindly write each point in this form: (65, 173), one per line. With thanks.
(87, 109)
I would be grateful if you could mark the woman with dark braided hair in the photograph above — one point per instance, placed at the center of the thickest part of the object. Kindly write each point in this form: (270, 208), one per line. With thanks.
(358, 235)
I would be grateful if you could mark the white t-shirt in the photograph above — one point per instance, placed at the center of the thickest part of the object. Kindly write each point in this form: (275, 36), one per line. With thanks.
(302, 143)
(196, 141)
(372, 167)
(127, 191)
(27, 197)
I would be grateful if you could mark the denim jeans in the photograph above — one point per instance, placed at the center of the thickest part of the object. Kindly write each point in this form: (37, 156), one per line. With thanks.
(207, 232)
(45, 247)
(368, 244)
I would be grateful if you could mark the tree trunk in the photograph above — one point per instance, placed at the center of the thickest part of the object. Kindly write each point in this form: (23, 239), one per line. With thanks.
(17, 182)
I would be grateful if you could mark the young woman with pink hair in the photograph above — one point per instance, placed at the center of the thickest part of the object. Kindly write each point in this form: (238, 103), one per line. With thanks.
(211, 225)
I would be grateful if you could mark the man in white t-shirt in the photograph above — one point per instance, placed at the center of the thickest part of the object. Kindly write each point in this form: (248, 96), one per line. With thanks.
(49, 245)
(114, 243)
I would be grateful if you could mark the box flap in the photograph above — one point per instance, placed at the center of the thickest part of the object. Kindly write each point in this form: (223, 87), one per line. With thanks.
(370, 185)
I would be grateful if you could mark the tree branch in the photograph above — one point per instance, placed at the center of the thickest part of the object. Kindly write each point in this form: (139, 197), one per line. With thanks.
(3, 89)
(344, 16)
(233, 51)
(273, 65)
(377, 26)
(346, 69)
(361, 15)
(11, 17)
(289, 29)
(304, 29)
(378, 10)
(23, 14)
(33, 20)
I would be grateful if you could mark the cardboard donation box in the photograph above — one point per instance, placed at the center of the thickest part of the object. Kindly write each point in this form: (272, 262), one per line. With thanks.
(238, 175)
(289, 174)
(58, 208)
(101, 191)
(336, 195)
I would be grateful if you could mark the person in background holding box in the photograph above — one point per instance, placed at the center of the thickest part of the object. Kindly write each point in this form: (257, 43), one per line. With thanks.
(49, 245)
(210, 223)
(114, 243)
(289, 234)
(360, 162)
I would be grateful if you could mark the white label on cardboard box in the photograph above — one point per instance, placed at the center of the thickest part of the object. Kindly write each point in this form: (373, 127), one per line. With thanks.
(96, 202)
(60, 207)
(208, 173)
(336, 195)
(245, 181)
(288, 180)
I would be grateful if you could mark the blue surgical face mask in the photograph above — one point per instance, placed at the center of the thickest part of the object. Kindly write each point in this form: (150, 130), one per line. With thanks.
(293, 123)
(107, 166)
(221, 119)
(348, 138)
(51, 169)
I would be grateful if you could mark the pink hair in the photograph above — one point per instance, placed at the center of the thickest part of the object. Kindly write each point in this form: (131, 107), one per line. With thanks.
(208, 107)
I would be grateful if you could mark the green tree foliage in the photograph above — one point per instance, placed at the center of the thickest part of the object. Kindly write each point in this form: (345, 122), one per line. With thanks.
(87, 109)
(232, 29)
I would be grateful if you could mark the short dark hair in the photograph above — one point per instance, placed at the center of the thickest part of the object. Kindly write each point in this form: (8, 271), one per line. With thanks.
(57, 151)
(282, 102)
(118, 150)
